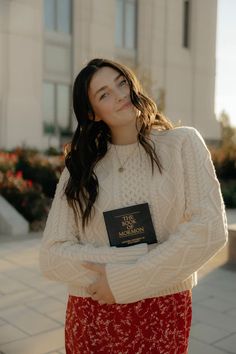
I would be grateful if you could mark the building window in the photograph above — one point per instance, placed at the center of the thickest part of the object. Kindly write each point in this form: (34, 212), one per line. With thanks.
(126, 23)
(49, 108)
(186, 23)
(58, 15)
(56, 108)
(57, 75)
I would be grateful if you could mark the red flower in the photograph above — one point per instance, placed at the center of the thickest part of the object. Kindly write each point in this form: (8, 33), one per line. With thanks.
(19, 174)
(9, 174)
(30, 183)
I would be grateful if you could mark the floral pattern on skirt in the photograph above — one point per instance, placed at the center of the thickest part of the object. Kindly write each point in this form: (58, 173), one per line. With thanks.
(159, 325)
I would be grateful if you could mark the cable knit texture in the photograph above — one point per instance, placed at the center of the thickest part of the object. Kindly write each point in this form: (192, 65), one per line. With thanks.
(187, 210)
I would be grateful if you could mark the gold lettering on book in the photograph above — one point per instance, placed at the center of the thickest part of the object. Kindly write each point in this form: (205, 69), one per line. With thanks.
(128, 221)
(132, 232)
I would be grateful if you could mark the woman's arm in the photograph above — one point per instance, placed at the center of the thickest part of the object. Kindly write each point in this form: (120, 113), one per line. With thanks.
(61, 254)
(191, 245)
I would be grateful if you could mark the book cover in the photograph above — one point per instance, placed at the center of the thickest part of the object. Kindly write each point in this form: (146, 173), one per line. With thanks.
(130, 225)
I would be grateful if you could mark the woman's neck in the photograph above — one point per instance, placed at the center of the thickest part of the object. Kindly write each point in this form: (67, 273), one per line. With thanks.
(124, 135)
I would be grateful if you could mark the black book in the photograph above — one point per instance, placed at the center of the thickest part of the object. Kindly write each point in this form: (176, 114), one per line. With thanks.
(130, 225)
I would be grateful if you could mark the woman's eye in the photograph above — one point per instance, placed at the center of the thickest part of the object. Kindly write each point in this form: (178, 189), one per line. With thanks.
(123, 82)
(103, 96)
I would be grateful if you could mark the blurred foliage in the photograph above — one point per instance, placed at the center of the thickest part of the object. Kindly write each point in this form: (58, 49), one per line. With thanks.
(224, 159)
(28, 178)
(41, 170)
(28, 181)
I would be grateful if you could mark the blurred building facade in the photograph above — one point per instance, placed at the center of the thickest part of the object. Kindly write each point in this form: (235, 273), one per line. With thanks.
(44, 44)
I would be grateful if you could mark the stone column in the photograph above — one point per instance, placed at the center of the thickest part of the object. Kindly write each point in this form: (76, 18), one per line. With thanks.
(21, 26)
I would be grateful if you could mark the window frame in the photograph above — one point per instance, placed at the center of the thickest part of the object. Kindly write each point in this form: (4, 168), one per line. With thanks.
(123, 26)
(186, 24)
(56, 19)
(56, 130)
(64, 40)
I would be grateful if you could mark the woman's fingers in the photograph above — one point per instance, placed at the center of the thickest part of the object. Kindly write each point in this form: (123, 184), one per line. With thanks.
(101, 302)
(91, 289)
(95, 267)
(95, 297)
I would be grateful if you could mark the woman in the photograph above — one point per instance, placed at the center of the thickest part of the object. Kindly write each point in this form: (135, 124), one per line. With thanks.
(134, 299)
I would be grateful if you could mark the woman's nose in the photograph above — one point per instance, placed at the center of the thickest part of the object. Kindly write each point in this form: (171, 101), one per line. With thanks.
(120, 95)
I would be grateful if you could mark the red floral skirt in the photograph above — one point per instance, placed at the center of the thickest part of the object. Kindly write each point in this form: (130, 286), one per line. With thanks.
(158, 325)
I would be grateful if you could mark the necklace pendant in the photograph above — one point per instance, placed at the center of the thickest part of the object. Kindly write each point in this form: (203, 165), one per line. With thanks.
(121, 169)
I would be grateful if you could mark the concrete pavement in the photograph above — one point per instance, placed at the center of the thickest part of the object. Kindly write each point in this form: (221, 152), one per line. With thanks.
(32, 309)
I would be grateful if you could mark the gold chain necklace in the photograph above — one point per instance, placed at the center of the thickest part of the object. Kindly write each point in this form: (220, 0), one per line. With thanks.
(121, 168)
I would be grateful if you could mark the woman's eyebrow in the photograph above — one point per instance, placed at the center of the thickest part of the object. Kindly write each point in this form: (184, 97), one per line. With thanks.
(104, 87)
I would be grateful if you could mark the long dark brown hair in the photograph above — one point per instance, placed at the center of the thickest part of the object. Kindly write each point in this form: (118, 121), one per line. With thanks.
(90, 140)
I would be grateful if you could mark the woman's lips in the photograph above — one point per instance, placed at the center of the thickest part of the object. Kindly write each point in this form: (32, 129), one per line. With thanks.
(125, 106)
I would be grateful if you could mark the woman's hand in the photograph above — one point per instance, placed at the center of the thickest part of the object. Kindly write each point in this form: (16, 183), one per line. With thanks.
(100, 290)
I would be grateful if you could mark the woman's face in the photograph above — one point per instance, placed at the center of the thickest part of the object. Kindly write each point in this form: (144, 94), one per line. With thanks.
(109, 95)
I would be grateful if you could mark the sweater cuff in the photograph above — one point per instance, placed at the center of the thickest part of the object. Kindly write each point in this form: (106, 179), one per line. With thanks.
(126, 253)
(125, 282)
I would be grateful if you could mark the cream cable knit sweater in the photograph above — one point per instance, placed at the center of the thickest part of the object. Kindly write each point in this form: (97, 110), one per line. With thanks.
(187, 211)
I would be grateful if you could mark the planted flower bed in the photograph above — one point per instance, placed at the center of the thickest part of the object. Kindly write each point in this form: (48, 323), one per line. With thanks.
(28, 182)
(224, 160)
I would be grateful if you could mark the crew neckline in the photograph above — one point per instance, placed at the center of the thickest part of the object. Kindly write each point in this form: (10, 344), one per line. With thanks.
(124, 147)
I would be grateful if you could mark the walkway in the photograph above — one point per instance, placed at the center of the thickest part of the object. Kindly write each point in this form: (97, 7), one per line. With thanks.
(32, 309)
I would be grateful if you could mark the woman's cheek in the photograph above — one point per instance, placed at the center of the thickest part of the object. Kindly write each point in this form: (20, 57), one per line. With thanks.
(108, 108)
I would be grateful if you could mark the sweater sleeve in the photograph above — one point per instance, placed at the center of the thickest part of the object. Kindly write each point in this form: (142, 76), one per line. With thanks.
(61, 254)
(192, 243)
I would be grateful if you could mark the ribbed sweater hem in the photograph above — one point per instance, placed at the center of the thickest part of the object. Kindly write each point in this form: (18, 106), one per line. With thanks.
(188, 284)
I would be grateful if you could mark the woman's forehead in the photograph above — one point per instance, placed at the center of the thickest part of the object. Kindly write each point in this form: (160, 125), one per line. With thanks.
(103, 77)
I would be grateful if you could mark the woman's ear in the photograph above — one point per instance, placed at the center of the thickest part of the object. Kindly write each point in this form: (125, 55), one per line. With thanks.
(97, 119)
(93, 116)
(90, 115)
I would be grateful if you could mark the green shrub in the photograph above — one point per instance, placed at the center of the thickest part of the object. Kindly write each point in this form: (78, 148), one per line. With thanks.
(224, 160)
(45, 176)
(228, 188)
(28, 181)
(31, 204)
